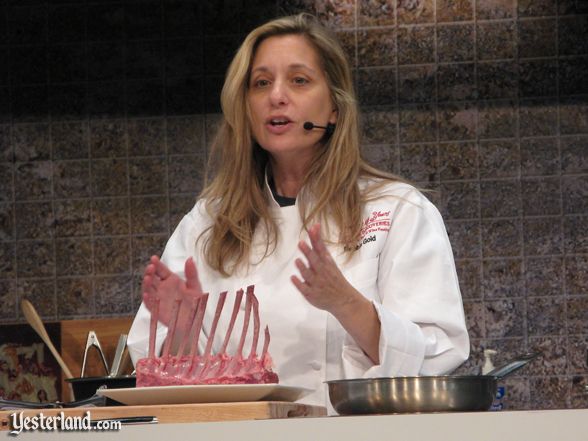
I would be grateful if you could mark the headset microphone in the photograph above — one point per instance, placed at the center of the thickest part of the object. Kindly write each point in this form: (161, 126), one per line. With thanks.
(329, 128)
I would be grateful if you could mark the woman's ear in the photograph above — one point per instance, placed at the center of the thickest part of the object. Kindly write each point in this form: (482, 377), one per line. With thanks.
(334, 115)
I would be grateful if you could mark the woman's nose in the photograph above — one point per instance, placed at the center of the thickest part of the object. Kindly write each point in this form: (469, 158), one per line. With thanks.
(278, 94)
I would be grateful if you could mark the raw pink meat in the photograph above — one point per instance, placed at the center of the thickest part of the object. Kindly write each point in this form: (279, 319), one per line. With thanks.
(207, 368)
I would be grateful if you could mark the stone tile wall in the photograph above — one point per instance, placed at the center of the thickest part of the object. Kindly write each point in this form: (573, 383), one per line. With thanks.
(106, 109)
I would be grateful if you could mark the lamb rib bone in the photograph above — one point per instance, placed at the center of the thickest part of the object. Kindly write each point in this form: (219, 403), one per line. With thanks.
(206, 368)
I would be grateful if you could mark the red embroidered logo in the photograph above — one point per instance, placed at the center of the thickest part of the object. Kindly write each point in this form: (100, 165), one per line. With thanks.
(377, 221)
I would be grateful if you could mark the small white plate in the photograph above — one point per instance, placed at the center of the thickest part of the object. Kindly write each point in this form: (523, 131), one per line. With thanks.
(206, 393)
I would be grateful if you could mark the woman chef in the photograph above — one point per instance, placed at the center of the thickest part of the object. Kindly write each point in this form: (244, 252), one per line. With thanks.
(352, 267)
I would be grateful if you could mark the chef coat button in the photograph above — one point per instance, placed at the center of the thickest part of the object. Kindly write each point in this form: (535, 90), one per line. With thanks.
(315, 365)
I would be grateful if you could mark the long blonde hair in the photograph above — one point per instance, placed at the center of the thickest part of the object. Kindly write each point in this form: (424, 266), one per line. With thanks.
(236, 197)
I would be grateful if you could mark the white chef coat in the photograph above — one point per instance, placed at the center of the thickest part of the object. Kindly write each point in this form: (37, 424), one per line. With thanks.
(403, 264)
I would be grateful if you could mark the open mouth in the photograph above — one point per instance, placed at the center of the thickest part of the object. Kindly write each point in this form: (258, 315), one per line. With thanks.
(278, 122)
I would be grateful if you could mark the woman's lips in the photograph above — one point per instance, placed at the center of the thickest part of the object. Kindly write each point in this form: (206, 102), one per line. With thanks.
(278, 129)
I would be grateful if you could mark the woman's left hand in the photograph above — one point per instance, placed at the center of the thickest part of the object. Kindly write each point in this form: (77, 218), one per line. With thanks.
(322, 284)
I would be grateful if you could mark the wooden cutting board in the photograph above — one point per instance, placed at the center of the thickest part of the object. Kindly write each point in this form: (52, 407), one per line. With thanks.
(185, 413)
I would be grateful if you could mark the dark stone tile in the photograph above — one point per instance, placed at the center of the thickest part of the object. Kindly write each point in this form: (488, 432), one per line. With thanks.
(576, 275)
(106, 61)
(186, 173)
(377, 86)
(71, 178)
(5, 110)
(145, 98)
(570, 7)
(497, 119)
(146, 137)
(465, 239)
(136, 293)
(572, 76)
(574, 154)
(148, 175)
(455, 42)
(499, 159)
(538, 78)
(543, 236)
(541, 196)
(468, 272)
(35, 259)
(108, 138)
(348, 42)
(144, 19)
(573, 34)
(494, 9)
(573, 112)
(577, 319)
(379, 126)
(70, 140)
(34, 220)
(6, 146)
(67, 63)
(544, 276)
(538, 117)
(76, 298)
(106, 99)
(539, 157)
(143, 248)
(212, 123)
(497, 79)
(502, 279)
(218, 51)
(185, 134)
(578, 392)
(184, 96)
(549, 392)
(473, 365)
(506, 350)
(501, 238)
(113, 295)
(28, 65)
(576, 234)
(416, 84)
(112, 255)
(180, 205)
(68, 101)
(73, 257)
(183, 19)
(458, 161)
(72, 218)
(536, 8)
(460, 200)
(339, 14)
(8, 298)
(577, 354)
(109, 177)
(185, 57)
(457, 121)
(149, 215)
(505, 318)
(553, 359)
(419, 162)
(7, 260)
(418, 123)
(420, 11)
(416, 45)
(41, 293)
(457, 82)
(384, 157)
(495, 40)
(455, 10)
(29, 103)
(105, 22)
(376, 13)
(111, 216)
(6, 182)
(7, 222)
(545, 316)
(537, 38)
(33, 180)
(212, 91)
(31, 142)
(516, 395)
(376, 47)
(475, 320)
(574, 190)
(500, 198)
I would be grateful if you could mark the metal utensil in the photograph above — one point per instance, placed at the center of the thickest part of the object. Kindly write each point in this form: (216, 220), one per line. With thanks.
(92, 341)
(36, 323)
(441, 393)
(118, 355)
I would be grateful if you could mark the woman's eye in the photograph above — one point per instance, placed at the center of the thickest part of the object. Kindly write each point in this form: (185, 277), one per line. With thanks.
(261, 83)
(300, 80)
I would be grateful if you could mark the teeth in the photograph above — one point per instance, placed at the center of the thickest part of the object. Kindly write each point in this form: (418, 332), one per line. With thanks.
(279, 121)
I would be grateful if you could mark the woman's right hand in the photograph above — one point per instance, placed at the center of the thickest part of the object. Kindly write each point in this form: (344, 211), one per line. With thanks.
(159, 282)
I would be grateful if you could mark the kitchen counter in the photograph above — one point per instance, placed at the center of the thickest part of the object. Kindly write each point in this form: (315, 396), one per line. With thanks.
(540, 425)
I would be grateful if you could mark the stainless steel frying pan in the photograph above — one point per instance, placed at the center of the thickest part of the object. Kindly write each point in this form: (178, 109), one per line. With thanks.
(441, 393)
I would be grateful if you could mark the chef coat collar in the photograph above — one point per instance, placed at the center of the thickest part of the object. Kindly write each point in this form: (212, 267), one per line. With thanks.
(278, 201)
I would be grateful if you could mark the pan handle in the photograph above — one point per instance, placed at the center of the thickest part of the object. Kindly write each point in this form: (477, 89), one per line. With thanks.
(513, 365)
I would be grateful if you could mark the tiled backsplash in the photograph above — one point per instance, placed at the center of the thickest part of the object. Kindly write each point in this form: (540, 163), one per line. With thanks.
(106, 110)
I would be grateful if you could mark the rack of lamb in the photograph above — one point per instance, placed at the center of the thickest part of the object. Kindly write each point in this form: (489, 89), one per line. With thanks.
(206, 368)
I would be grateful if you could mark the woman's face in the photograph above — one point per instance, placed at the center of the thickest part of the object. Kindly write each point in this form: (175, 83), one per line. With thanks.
(288, 87)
